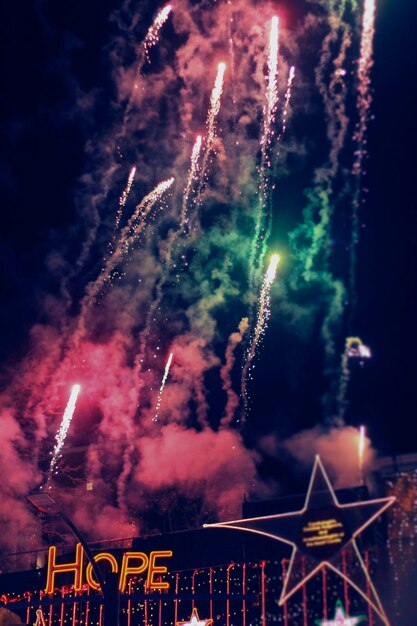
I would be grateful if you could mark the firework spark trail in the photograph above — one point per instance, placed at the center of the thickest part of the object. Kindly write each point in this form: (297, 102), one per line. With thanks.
(123, 199)
(272, 93)
(127, 237)
(161, 389)
(152, 36)
(287, 99)
(215, 105)
(264, 312)
(232, 401)
(167, 258)
(129, 448)
(130, 232)
(363, 104)
(211, 123)
(150, 40)
(65, 424)
(260, 239)
(134, 227)
(364, 99)
(190, 181)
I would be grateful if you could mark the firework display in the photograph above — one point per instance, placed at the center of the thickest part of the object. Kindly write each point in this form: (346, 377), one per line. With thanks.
(189, 335)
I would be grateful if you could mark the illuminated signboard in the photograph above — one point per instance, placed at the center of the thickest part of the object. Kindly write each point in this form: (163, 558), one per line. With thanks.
(323, 533)
(133, 564)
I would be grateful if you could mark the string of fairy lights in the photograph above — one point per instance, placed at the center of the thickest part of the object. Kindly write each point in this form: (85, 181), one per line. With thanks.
(237, 594)
(402, 536)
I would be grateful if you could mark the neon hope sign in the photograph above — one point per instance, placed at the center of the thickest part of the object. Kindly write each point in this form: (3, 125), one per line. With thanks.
(133, 564)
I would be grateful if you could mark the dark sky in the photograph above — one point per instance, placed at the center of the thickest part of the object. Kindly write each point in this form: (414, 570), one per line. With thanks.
(50, 50)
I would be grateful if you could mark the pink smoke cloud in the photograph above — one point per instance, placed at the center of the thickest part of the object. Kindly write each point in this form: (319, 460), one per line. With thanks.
(337, 448)
(215, 463)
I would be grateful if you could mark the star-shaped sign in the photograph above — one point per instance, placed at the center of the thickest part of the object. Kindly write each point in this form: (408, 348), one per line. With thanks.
(340, 618)
(195, 620)
(318, 533)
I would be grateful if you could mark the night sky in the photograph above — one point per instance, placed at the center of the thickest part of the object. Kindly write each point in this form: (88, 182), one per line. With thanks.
(58, 95)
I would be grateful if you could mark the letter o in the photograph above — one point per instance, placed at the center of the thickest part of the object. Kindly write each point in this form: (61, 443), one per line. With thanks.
(103, 556)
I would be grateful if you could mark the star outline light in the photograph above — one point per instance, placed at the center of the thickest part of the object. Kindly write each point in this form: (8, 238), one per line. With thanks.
(195, 620)
(286, 593)
(339, 615)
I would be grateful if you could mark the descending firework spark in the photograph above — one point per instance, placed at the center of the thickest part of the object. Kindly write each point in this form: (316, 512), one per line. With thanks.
(161, 389)
(264, 312)
(262, 220)
(211, 121)
(127, 237)
(287, 99)
(134, 227)
(167, 258)
(361, 450)
(190, 181)
(215, 102)
(364, 88)
(152, 36)
(65, 424)
(363, 105)
(151, 39)
(123, 198)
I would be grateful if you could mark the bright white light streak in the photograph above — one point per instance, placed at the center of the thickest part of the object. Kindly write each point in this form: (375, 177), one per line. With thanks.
(65, 424)
(161, 389)
(271, 271)
(215, 103)
(272, 93)
(191, 179)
